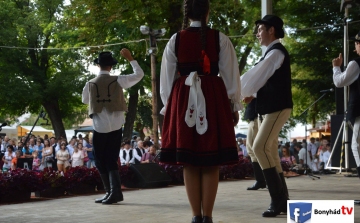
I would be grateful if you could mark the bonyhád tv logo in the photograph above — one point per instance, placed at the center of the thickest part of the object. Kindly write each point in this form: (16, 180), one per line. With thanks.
(321, 211)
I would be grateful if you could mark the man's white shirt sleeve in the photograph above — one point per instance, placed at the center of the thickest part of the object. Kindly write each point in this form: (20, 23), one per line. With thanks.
(347, 77)
(256, 77)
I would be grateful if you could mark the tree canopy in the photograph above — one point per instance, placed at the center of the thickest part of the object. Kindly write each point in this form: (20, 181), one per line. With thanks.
(34, 75)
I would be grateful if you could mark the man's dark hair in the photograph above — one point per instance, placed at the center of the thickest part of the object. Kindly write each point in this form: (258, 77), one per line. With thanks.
(298, 145)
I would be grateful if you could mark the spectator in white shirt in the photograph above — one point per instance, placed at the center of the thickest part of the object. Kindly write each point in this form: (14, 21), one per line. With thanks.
(127, 154)
(243, 148)
(71, 146)
(324, 156)
(311, 148)
(7, 158)
(139, 151)
(304, 158)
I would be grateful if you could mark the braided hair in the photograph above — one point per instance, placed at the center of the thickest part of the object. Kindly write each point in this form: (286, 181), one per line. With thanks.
(197, 10)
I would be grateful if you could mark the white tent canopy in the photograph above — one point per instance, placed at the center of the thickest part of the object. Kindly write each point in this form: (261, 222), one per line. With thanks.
(11, 132)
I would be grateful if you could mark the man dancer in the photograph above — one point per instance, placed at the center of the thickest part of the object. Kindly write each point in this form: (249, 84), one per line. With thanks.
(270, 81)
(107, 105)
(350, 77)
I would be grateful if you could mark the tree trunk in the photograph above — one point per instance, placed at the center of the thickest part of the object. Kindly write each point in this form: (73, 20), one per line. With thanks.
(131, 114)
(140, 128)
(53, 111)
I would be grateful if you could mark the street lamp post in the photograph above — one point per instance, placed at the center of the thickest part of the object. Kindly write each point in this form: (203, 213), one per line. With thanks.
(152, 50)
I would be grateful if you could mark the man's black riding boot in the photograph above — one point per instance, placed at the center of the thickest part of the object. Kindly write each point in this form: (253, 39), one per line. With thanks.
(259, 177)
(115, 188)
(106, 183)
(282, 178)
(277, 194)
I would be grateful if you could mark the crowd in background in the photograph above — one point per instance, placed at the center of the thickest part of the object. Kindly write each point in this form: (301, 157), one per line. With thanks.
(137, 151)
(47, 152)
(61, 155)
(314, 154)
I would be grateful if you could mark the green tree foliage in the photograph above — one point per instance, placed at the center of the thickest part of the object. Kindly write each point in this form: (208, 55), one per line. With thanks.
(34, 78)
(112, 22)
(54, 79)
(316, 37)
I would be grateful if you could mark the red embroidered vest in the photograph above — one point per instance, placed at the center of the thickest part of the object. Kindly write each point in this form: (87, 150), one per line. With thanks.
(188, 51)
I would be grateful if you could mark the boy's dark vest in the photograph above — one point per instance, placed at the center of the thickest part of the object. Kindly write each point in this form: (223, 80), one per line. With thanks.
(189, 40)
(354, 98)
(276, 94)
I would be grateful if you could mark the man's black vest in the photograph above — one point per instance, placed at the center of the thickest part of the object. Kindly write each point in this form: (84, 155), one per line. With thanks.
(130, 154)
(354, 98)
(276, 94)
(140, 152)
(250, 111)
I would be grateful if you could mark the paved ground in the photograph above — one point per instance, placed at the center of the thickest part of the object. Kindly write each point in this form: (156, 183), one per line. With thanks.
(234, 203)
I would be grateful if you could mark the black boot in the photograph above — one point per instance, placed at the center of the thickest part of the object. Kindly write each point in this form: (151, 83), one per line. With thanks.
(115, 188)
(196, 219)
(259, 177)
(207, 219)
(282, 178)
(106, 183)
(277, 194)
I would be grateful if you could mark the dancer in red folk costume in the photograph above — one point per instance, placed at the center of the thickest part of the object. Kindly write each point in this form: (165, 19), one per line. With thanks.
(201, 107)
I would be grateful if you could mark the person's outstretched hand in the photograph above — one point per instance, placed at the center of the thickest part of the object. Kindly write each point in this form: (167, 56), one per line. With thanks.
(126, 54)
(337, 61)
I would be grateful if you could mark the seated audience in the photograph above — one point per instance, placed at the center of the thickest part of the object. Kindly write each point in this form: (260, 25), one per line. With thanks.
(324, 156)
(147, 139)
(286, 156)
(305, 160)
(150, 157)
(126, 154)
(146, 145)
(139, 151)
